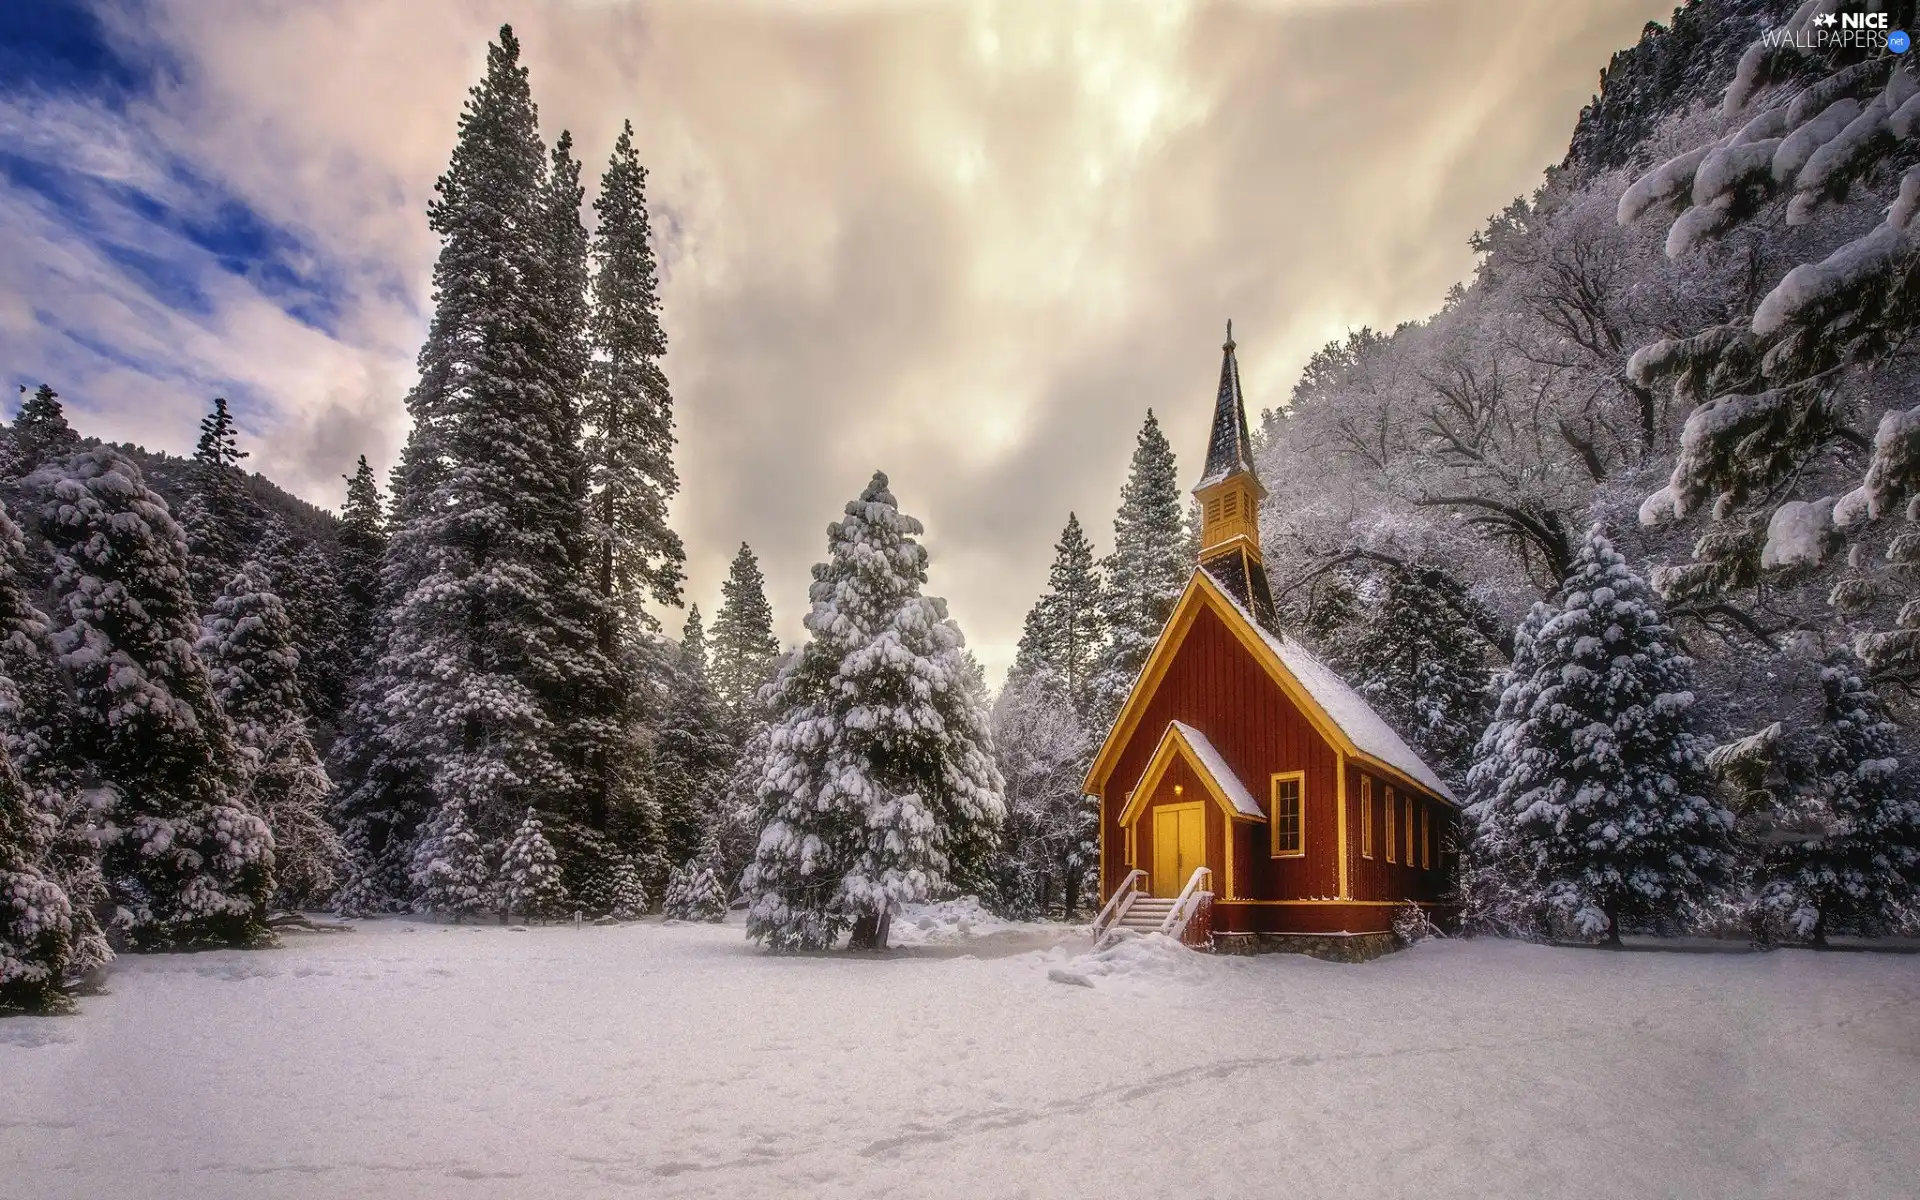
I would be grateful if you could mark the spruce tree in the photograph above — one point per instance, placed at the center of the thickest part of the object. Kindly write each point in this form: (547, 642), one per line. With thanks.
(247, 642)
(1064, 628)
(879, 786)
(1422, 664)
(363, 540)
(626, 895)
(190, 864)
(1145, 574)
(629, 410)
(220, 518)
(694, 893)
(36, 916)
(497, 680)
(306, 580)
(37, 731)
(1043, 750)
(691, 753)
(449, 870)
(744, 648)
(40, 434)
(530, 882)
(1592, 763)
(1843, 850)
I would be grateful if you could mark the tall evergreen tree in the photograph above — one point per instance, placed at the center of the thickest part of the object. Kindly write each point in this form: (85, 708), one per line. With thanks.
(1843, 849)
(691, 752)
(40, 433)
(629, 411)
(37, 729)
(1146, 572)
(189, 864)
(1421, 664)
(36, 916)
(306, 580)
(744, 648)
(1043, 751)
(1064, 627)
(492, 648)
(220, 517)
(1591, 771)
(530, 881)
(879, 786)
(247, 642)
(363, 540)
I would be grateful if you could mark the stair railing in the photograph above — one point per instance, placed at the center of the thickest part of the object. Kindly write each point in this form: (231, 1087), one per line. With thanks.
(1123, 898)
(1189, 903)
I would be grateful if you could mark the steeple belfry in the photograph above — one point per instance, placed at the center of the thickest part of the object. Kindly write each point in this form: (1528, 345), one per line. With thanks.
(1229, 494)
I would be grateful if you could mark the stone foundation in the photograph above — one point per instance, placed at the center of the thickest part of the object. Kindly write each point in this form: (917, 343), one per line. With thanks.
(1332, 947)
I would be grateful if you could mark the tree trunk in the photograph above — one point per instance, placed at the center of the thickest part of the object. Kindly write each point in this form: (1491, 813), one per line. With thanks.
(1818, 939)
(1613, 930)
(866, 932)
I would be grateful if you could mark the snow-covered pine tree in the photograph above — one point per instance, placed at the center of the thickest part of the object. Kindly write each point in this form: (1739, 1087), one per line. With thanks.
(1143, 577)
(220, 518)
(189, 863)
(1422, 664)
(629, 410)
(39, 434)
(694, 893)
(246, 641)
(691, 752)
(449, 870)
(497, 679)
(627, 898)
(879, 785)
(306, 580)
(744, 648)
(36, 916)
(1043, 751)
(1500, 889)
(37, 731)
(530, 883)
(1064, 629)
(1594, 761)
(1843, 851)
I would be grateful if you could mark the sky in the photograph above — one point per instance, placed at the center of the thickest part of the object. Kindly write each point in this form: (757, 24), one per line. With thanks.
(969, 244)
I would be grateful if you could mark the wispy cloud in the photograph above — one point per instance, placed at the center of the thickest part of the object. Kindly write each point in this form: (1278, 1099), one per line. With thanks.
(968, 243)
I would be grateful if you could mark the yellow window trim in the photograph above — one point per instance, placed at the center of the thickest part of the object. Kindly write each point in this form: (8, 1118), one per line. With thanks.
(1203, 592)
(1366, 816)
(1340, 821)
(1390, 810)
(1273, 813)
(1409, 818)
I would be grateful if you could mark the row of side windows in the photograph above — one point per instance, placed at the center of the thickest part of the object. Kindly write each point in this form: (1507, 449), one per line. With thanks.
(1406, 826)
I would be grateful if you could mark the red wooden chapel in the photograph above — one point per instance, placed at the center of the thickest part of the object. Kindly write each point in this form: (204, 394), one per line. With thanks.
(1239, 751)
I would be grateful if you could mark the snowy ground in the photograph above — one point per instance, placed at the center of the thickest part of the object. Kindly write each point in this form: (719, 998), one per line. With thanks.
(406, 1059)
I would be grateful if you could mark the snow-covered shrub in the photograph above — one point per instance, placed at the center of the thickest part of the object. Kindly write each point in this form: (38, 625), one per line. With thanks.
(1412, 925)
(694, 894)
(450, 872)
(529, 881)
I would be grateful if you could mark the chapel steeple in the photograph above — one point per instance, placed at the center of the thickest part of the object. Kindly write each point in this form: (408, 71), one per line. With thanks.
(1229, 494)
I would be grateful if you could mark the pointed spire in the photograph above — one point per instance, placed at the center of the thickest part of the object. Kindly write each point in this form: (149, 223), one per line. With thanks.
(1230, 447)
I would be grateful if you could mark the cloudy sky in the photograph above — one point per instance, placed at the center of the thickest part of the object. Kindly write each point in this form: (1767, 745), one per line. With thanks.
(969, 244)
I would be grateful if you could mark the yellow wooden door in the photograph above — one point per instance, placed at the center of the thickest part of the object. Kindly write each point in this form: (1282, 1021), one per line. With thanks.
(1179, 846)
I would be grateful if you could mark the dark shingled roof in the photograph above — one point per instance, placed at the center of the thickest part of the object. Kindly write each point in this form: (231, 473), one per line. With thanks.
(1242, 577)
(1230, 448)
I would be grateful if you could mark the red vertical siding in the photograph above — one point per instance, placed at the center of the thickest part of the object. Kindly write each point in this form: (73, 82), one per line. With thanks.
(1215, 685)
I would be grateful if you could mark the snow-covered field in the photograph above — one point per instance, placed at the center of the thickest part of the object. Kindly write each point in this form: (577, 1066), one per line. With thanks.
(410, 1059)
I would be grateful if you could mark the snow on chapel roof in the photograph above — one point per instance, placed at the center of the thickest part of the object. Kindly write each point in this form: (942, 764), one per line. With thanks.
(1370, 733)
(1223, 776)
